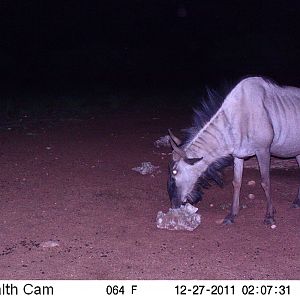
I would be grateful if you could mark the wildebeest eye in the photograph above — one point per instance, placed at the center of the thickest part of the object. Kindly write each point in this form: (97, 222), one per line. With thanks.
(174, 172)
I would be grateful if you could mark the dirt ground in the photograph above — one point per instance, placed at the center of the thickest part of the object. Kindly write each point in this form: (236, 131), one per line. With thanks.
(73, 208)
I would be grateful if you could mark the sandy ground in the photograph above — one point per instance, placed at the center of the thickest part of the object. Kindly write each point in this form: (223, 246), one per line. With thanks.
(73, 208)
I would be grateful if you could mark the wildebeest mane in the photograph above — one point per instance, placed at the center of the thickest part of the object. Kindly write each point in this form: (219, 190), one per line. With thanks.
(207, 108)
(212, 174)
(208, 105)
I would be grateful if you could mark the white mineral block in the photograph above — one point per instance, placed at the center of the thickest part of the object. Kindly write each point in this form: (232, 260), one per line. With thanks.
(183, 218)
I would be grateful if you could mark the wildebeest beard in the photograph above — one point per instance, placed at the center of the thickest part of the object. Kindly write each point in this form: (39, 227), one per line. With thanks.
(213, 174)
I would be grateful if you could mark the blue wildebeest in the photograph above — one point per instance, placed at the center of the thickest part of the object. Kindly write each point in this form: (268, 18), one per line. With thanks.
(257, 118)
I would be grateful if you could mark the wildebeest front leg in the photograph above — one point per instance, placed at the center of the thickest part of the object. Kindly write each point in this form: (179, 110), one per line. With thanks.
(263, 158)
(296, 203)
(237, 182)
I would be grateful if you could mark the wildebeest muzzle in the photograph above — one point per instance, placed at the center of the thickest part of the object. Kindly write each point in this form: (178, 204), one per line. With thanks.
(173, 193)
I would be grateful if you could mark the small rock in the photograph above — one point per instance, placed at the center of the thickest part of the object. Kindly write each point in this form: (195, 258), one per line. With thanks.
(162, 142)
(146, 168)
(251, 196)
(225, 206)
(273, 226)
(49, 244)
(251, 183)
(211, 205)
(219, 221)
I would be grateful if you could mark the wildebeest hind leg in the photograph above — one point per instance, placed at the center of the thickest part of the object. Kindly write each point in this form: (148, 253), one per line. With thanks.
(237, 182)
(296, 203)
(263, 158)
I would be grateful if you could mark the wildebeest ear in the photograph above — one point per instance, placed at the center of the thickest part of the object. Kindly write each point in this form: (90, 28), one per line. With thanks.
(192, 161)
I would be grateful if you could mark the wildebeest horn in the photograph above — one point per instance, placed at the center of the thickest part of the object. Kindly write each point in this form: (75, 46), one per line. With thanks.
(174, 138)
(177, 150)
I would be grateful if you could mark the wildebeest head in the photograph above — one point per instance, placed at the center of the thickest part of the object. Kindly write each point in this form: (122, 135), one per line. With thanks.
(184, 173)
(189, 175)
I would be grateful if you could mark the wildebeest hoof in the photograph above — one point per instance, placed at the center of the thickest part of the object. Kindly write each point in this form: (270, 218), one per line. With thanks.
(269, 221)
(228, 220)
(296, 204)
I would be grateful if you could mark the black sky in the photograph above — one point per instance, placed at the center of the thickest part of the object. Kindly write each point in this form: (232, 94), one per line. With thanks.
(147, 42)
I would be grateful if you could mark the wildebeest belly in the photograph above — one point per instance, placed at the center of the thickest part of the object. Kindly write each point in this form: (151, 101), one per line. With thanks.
(286, 146)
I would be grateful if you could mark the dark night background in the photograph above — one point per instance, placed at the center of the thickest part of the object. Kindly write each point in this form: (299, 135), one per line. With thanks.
(83, 51)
